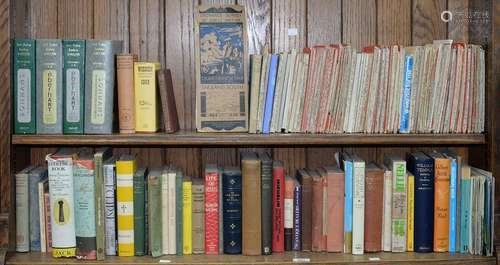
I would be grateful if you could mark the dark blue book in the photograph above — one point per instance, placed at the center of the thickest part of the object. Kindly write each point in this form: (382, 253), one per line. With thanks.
(268, 107)
(297, 217)
(38, 177)
(231, 210)
(422, 167)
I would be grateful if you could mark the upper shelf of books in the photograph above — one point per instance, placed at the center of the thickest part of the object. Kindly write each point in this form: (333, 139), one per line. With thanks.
(185, 138)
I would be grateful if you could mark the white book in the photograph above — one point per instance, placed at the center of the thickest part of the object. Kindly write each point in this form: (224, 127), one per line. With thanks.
(399, 204)
(22, 211)
(164, 211)
(358, 206)
(387, 211)
(109, 206)
(171, 211)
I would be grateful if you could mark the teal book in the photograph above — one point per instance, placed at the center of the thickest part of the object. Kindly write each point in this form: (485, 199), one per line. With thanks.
(139, 212)
(178, 214)
(73, 86)
(154, 212)
(24, 86)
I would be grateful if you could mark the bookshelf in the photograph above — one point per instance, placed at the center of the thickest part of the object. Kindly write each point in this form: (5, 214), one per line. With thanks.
(162, 30)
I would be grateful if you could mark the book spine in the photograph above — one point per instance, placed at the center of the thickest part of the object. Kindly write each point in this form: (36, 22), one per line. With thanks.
(63, 214)
(73, 86)
(187, 200)
(109, 209)
(268, 109)
(48, 227)
(125, 206)
(34, 213)
(155, 214)
(453, 206)
(411, 208)
(441, 204)
(405, 99)
(100, 206)
(22, 213)
(172, 212)
(288, 215)
(99, 85)
(24, 82)
(83, 171)
(348, 207)
(398, 241)
(297, 218)
(198, 219)
(387, 219)
(145, 97)
(125, 84)
(465, 215)
(179, 245)
(231, 192)
(278, 209)
(139, 214)
(49, 86)
(211, 213)
(424, 204)
(358, 208)
(266, 206)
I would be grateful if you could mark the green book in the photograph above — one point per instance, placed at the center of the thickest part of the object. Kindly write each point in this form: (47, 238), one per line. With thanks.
(24, 86)
(178, 213)
(139, 212)
(154, 212)
(101, 154)
(73, 86)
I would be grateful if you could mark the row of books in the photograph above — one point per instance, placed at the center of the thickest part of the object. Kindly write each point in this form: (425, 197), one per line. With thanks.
(91, 205)
(435, 88)
(68, 86)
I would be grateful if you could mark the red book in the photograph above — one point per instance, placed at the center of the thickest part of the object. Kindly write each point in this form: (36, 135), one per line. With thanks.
(48, 230)
(211, 210)
(278, 208)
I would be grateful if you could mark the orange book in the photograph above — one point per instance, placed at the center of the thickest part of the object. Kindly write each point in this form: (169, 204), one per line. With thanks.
(441, 202)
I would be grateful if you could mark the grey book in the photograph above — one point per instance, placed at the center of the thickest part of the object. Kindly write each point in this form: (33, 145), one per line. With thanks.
(99, 85)
(49, 90)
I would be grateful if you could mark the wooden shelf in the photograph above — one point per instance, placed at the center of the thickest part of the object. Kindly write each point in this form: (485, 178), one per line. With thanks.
(235, 139)
(287, 258)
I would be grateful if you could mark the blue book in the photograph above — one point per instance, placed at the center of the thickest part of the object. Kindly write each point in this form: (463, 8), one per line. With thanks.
(348, 168)
(297, 217)
(405, 104)
(231, 210)
(465, 214)
(37, 175)
(268, 107)
(453, 205)
(422, 167)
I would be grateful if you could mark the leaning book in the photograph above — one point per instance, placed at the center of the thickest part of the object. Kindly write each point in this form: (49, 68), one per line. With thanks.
(221, 68)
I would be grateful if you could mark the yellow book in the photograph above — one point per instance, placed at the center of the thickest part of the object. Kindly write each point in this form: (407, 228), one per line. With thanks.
(411, 212)
(146, 119)
(125, 169)
(186, 216)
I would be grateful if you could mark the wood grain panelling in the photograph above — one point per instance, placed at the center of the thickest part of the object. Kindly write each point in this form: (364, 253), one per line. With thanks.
(111, 20)
(324, 22)
(288, 25)
(458, 27)
(393, 22)
(359, 23)
(427, 24)
(258, 24)
(75, 19)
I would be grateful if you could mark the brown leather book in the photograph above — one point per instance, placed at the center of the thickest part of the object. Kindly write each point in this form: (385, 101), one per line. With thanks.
(335, 209)
(169, 109)
(306, 181)
(317, 237)
(251, 203)
(374, 200)
(125, 84)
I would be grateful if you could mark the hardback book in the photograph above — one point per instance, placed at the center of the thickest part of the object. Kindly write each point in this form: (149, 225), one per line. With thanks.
(85, 208)
(335, 209)
(289, 187)
(399, 211)
(306, 229)
(374, 201)
(23, 210)
(145, 92)
(387, 211)
(49, 89)
(125, 84)
(221, 54)
(43, 186)
(109, 175)
(48, 228)
(61, 188)
(179, 230)
(36, 176)
(100, 85)
(410, 198)
(441, 202)
(251, 203)
(268, 107)
(165, 237)
(102, 204)
(358, 205)
(465, 209)
(297, 216)
(73, 86)
(278, 208)
(231, 210)
(318, 240)
(345, 161)
(187, 215)
(24, 84)
(422, 168)
(255, 66)
(155, 211)
(198, 216)
(125, 169)
(211, 209)
(139, 191)
(266, 201)
(167, 97)
(454, 201)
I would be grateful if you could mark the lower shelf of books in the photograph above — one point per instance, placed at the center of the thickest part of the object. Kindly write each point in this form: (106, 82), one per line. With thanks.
(285, 258)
